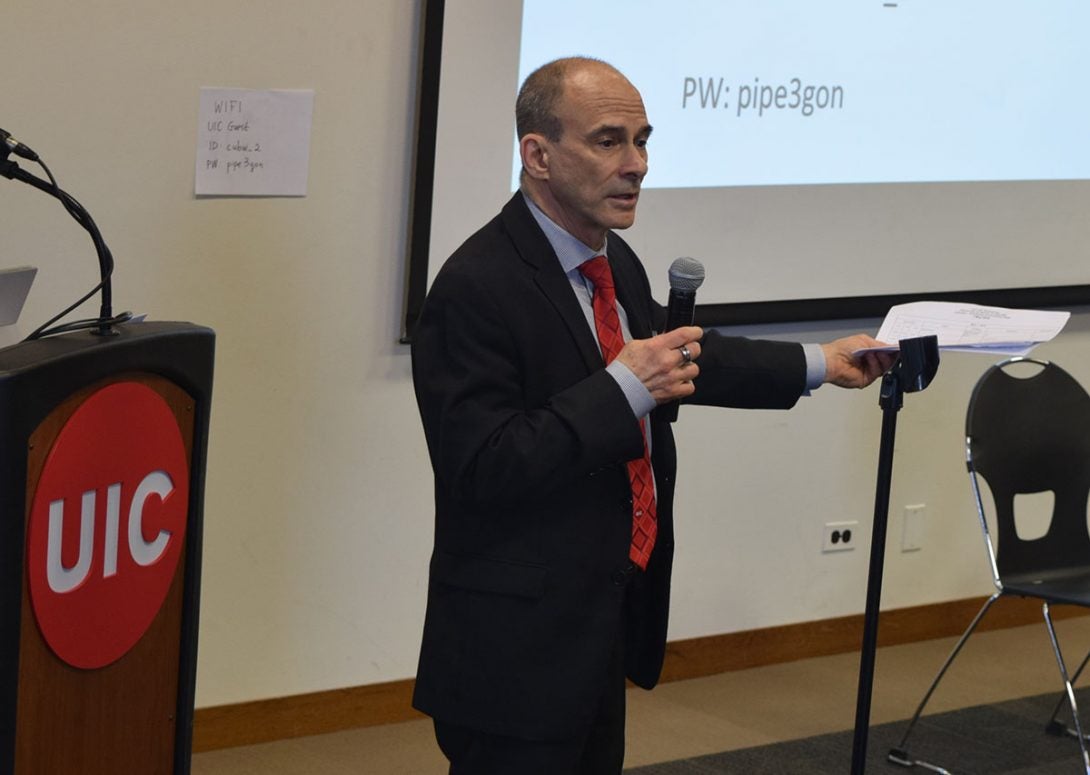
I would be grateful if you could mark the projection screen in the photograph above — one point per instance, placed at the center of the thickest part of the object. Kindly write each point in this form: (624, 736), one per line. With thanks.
(822, 159)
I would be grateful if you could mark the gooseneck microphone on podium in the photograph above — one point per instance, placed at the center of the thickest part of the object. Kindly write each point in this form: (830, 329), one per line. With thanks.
(103, 324)
(686, 275)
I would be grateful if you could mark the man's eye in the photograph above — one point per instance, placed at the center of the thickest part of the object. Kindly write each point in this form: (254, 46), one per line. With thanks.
(606, 143)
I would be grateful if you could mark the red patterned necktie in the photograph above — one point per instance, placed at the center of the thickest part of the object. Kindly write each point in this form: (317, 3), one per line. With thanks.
(611, 339)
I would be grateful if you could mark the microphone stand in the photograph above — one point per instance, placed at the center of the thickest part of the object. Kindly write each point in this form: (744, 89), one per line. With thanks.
(913, 371)
(12, 171)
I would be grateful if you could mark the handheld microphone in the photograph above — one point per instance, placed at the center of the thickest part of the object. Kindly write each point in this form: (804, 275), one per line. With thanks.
(686, 275)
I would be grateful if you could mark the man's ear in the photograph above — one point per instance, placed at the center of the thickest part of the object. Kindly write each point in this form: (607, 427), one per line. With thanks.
(535, 156)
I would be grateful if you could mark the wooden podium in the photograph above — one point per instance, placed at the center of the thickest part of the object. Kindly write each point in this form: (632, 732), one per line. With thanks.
(104, 442)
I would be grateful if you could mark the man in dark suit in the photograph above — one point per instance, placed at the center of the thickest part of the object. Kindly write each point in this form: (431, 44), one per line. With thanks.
(536, 383)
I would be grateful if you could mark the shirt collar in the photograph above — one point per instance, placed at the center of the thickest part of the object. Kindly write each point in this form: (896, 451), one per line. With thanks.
(568, 249)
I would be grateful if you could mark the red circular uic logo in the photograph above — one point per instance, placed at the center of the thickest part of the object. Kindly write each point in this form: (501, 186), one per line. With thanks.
(107, 524)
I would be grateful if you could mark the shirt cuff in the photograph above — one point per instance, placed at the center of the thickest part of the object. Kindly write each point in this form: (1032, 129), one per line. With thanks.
(639, 397)
(815, 366)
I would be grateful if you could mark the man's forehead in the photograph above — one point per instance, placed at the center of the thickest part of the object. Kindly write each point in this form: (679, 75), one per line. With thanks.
(602, 97)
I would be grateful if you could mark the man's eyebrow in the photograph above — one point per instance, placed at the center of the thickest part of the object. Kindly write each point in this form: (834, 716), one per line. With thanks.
(617, 129)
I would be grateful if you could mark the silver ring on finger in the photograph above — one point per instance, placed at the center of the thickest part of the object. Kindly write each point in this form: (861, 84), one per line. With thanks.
(686, 356)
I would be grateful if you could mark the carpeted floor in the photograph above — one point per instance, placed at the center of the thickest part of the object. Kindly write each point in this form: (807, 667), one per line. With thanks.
(1007, 738)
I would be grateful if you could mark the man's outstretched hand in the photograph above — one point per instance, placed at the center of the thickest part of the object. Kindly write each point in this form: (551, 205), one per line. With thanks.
(844, 369)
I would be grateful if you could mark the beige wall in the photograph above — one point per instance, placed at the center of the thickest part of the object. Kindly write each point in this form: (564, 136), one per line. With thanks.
(318, 517)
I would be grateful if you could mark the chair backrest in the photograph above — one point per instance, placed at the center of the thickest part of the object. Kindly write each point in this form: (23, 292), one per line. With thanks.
(1030, 433)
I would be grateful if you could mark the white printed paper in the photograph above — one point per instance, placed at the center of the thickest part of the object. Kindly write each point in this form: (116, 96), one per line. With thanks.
(972, 327)
(253, 142)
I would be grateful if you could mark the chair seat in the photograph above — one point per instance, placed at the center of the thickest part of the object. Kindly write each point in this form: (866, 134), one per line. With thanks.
(1070, 586)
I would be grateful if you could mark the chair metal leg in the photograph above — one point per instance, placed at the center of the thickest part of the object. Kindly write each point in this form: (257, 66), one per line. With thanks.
(900, 755)
(1082, 665)
(894, 757)
(1055, 726)
(1068, 687)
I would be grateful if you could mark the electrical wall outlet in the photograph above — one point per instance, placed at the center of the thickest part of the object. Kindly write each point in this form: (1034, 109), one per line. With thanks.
(840, 536)
(912, 529)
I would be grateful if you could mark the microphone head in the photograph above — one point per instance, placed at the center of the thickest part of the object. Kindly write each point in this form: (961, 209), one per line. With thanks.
(9, 144)
(686, 274)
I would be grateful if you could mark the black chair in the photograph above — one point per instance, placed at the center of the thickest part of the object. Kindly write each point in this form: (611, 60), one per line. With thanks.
(1028, 431)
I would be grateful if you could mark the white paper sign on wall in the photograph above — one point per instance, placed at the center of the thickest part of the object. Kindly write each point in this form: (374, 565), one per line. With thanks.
(253, 142)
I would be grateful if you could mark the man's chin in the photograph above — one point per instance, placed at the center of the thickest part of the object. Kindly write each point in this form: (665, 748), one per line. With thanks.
(621, 223)
(622, 213)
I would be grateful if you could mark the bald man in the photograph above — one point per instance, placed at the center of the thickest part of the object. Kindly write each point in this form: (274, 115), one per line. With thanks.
(538, 370)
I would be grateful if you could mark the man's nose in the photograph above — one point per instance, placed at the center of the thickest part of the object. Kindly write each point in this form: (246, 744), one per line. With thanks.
(635, 163)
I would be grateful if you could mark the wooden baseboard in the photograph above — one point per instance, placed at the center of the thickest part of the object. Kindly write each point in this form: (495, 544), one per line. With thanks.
(246, 723)
(227, 726)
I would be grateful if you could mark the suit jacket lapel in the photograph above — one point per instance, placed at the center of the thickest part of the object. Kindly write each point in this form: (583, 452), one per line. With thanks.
(628, 290)
(536, 251)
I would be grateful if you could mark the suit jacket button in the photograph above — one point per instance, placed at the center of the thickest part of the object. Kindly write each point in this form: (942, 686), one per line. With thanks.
(621, 576)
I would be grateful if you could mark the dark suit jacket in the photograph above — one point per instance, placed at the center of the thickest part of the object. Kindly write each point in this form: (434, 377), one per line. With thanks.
(528, 436)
